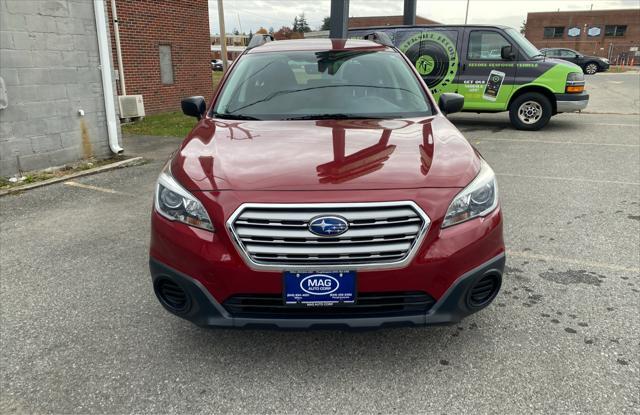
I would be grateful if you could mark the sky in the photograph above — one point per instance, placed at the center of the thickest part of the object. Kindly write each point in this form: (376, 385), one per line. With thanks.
(251, 14)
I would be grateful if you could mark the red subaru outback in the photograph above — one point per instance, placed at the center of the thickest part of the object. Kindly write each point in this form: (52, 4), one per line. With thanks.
(323, 187)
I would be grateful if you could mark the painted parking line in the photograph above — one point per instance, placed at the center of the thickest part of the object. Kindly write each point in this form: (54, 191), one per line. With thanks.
(525, 140)
(569, 179)
(611, 124)
(96, 188)
(572, 261)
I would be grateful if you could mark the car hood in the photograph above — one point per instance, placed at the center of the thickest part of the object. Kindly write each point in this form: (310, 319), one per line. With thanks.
(324, 155)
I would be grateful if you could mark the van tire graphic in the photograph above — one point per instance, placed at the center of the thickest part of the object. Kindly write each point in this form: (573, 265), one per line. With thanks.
(434, 56)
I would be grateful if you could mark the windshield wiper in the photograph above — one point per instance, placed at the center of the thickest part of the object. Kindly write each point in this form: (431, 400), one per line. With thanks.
(234, 116)
(332, 117)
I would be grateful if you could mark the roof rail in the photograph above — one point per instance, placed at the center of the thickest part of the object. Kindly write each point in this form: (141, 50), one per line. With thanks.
(259, 40)
(379, 37)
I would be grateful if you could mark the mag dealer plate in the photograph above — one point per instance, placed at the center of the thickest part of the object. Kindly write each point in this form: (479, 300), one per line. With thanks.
(323, 288)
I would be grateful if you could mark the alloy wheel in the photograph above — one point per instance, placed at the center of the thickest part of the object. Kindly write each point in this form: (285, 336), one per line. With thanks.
(591, 68)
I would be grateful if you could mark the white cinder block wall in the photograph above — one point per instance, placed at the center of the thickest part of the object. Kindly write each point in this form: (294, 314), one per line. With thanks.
(50, 66)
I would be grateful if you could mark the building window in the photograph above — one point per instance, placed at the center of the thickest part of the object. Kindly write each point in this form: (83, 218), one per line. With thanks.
(553, 32)
(166, 65)
(615, 30)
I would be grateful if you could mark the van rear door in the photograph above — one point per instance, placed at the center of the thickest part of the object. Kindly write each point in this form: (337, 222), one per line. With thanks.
(486, 80)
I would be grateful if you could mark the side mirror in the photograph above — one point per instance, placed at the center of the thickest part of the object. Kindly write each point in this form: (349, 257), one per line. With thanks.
(507, 53)
(194, 107)
(450, 103)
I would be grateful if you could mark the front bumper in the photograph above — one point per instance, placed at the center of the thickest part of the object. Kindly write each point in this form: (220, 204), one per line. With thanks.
(211, 262)
(571, 102)
(204, 310)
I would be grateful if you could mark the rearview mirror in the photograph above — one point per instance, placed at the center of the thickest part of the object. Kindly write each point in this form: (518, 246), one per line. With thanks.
(506, 53)
(194, 106)
(450, 103)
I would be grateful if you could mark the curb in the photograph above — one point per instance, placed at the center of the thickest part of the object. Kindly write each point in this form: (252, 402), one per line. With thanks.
(117, 165)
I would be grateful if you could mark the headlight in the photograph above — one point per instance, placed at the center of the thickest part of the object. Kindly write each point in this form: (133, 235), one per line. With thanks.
(575, 77)
(575, 83)
(479, 198)
(175, 203)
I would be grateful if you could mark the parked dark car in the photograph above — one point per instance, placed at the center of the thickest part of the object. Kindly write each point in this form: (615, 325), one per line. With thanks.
(589, 64)
(216, 64)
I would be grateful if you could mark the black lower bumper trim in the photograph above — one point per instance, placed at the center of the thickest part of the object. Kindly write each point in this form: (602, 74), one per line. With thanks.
(204, 310)
(583, 96)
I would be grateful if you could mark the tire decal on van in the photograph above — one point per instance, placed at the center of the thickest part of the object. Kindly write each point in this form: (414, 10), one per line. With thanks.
(435, 57)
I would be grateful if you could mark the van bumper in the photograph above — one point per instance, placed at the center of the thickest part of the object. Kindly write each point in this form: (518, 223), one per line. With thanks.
(571, 102)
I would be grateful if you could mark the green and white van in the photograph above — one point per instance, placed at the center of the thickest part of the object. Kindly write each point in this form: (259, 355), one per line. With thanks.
(494, 67)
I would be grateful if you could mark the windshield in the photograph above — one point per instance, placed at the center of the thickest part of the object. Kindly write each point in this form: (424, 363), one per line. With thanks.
(527, 47)
(316, 85)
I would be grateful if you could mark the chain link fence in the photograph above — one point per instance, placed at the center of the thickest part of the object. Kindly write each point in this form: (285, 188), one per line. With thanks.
(623, 54)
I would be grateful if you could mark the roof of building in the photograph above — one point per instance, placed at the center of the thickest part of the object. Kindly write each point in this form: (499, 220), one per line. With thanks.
(364, 21)
(594, 12)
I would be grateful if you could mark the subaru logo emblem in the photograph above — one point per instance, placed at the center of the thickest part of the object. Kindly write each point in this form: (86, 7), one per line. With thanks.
(328, 225)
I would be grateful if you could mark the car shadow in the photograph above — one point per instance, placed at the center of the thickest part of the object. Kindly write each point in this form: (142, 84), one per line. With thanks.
(495, 123)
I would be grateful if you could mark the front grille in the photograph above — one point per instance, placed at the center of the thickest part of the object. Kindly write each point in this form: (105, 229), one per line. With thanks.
(277, 236)
(367, 305)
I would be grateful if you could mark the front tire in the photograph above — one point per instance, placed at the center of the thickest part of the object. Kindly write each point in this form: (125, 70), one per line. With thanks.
(591, 68)
(530, 111)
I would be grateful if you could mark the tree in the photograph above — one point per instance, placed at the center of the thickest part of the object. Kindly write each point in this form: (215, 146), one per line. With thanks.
(326, 23)
(296, 25)
(236, 32)
(271, 30)
(250, 34)
(286, 32)
(303, 26)
(523, 27)
(262, 31)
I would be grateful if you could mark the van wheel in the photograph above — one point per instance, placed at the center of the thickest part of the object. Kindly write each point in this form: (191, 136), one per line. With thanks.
(530, 111)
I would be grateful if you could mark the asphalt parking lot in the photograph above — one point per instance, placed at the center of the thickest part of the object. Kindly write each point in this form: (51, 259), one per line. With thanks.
(82, 332)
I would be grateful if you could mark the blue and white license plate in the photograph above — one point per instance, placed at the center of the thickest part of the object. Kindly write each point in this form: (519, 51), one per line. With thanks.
(319, 288)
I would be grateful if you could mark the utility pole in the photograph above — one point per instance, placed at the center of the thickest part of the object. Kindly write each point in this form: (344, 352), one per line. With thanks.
(338, 26)
(223, 37)
(466, 15)
(409, 14)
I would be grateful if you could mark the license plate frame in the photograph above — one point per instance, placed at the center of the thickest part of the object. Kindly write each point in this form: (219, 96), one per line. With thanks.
(319, 288)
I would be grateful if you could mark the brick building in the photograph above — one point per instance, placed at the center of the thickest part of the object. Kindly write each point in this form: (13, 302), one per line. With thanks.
(613, 34)
(165, 50)
(52, 106)
(371, 21)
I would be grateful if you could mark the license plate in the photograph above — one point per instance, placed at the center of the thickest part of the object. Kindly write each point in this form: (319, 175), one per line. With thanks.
(324, 288)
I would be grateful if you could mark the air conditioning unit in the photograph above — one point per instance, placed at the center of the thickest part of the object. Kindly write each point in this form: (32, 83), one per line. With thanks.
(131, 106)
